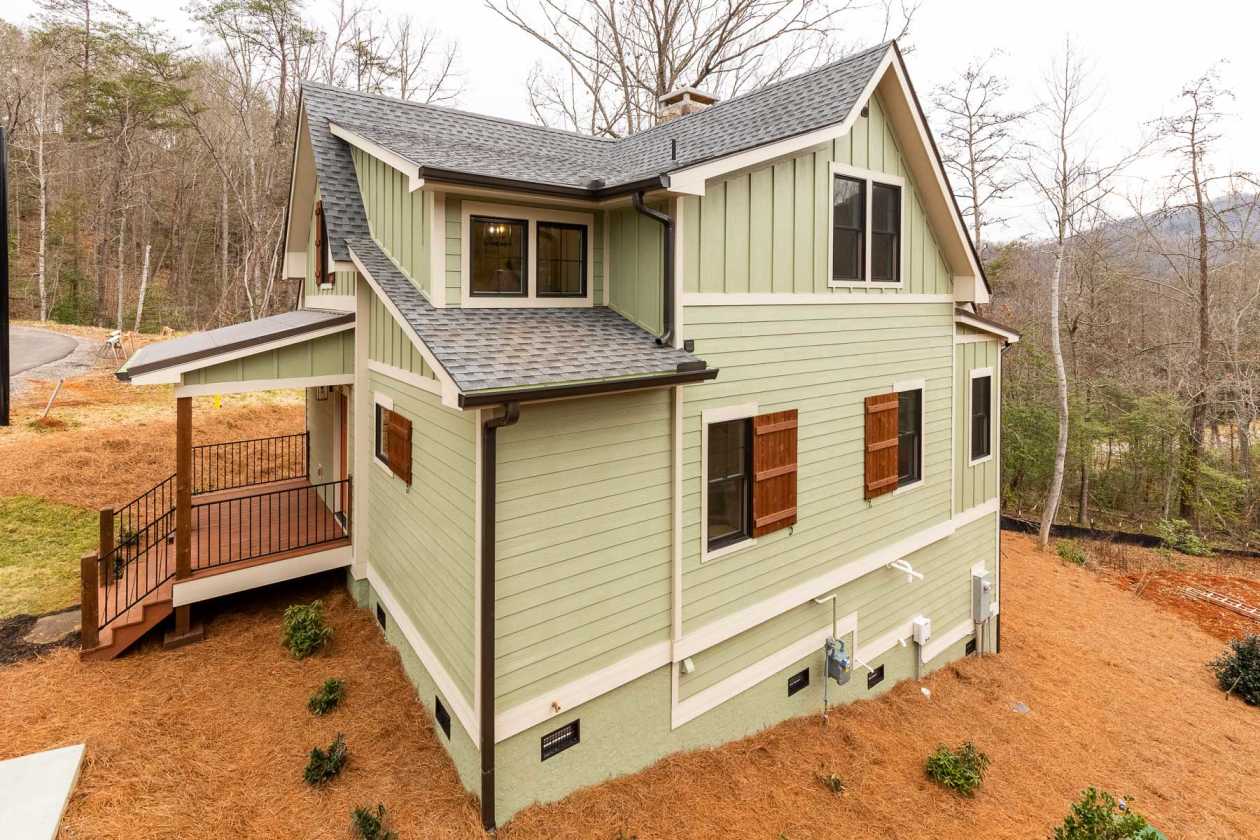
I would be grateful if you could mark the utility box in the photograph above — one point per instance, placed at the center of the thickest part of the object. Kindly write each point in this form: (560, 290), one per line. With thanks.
(981, 596)
(922, 630)
(839, 665)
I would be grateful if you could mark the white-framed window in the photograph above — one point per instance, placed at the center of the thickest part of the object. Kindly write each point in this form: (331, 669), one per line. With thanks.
(525, 256)
(910, 417)
(980, 416)
(865, 223)
(726, 520)
(380, 404)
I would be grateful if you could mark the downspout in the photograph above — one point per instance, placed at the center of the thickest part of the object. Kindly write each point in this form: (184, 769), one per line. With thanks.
(489, 437)
(666, 221)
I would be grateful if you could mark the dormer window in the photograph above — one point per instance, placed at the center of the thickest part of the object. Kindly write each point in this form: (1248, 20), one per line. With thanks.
(515, 255)
(866, 214)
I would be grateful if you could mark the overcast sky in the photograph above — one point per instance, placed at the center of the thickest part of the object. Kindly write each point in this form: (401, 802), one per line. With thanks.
(1143, 53)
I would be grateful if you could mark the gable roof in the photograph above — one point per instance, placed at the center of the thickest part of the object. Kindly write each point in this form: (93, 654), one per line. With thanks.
(492, 355)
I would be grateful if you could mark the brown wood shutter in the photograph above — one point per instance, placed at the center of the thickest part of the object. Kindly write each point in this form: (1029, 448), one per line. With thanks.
(321, 245)
(398, 441)
(774, 471)
(881, 444)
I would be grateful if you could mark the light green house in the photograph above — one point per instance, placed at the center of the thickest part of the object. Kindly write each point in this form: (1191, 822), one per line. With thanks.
(639, 429)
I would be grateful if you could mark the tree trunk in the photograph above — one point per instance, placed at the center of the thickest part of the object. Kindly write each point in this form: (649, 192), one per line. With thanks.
(122, 268)
(1056, 351)
(1244, 444)
(41, 260)
(1199, 408)
(144, 286)
(1083, 505)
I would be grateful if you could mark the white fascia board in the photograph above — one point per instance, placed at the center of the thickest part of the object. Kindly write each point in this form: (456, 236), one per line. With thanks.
(300, 131)
(295, 265)
(691, 181)
(422, 383)
(251, 385)
(976, 324)
(336, 303)
(450, 392)
(172, 375)
(402, 164)
(264, 574)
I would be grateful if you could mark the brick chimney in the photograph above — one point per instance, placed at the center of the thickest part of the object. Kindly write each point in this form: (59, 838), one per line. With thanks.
(682, 101)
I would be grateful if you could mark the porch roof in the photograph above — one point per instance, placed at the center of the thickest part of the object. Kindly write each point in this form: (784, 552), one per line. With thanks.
(166, 361)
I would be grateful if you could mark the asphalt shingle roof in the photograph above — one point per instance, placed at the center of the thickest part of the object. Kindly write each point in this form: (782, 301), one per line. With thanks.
(494, 349)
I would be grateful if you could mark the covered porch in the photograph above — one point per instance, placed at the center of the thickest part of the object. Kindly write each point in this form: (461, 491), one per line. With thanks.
(234, 515)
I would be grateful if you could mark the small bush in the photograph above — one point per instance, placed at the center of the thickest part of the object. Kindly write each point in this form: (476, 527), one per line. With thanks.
(960, 770)
(1177, 534)
(328, 696)
(304, 630)
(1097, 815)
(1238, 669)
(833, 782)
(1071, 552)
(370, 825)
(326, 764)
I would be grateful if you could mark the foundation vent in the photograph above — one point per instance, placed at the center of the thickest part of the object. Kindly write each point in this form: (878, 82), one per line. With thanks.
(798, 681)
(875, 677)
(971, 647)
(442, 717)
(380, 616)
(557, 742)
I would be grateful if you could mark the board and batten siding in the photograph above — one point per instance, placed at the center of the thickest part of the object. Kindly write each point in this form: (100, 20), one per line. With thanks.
(397, 216)
(328, 355)
(584, 537)
(389, 344)
(766, 230)
(343, 281)
(883, 600)
(635, 245)
(822, 360)
(977, 483)
(421, 537)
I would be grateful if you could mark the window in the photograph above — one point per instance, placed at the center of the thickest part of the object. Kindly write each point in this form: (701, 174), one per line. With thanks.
(729, 483)
(561, 260)
(497, 259)
(909, 436)
(981, 416)
(848, 229)
(885, 233)
(393, 441)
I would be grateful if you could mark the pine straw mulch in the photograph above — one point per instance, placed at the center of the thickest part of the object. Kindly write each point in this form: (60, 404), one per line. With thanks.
(209, 741)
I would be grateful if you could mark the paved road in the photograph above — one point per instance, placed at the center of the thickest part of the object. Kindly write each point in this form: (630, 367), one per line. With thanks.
(30, 348)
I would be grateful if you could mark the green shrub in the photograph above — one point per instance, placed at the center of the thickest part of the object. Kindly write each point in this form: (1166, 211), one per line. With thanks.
(1071, 552)
(326, 764)
(1179, 535)
(304, 630)
(1238, 669)
(959, 770)
(370, 825)
(327, 697)
(1097, 815)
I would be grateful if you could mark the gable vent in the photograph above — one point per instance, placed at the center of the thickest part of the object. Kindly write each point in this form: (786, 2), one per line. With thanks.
(798, 681)
(557, 742)
(442, 716)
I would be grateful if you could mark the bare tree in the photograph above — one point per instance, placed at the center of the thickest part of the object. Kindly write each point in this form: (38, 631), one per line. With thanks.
(424, 67)
(977, 142)
(619, 57)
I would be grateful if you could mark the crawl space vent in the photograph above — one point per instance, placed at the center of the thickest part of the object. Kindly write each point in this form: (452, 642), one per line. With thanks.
(442, 716)
(798, 681)
(380, 616)
(875, 677)
(971, 647)
(560, 740)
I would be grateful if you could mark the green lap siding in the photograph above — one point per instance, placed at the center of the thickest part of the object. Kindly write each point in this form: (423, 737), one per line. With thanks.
(822, 360)
(389, 344)
(766, 230)
(328, 355)
(421, 537)
(583, 549)
(974, 483)
(399, 218)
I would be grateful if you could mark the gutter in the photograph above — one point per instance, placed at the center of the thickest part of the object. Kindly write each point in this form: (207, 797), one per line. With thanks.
(667, 272)
(595, 191)
(489, 440)
(686, 375)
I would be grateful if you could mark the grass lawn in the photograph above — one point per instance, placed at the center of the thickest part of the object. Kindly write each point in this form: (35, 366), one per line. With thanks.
(40, 546)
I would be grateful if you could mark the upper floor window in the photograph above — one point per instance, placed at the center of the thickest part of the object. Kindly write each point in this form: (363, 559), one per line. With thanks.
(516, 255)
(497, 262)
(729, 483)
(909, 436)
(981, 415)
(561, 260)
(866, 217)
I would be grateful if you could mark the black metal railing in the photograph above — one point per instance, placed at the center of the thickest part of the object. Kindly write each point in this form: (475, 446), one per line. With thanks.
(146, 518)
(272, 522)
(245, 463)
(140, 563)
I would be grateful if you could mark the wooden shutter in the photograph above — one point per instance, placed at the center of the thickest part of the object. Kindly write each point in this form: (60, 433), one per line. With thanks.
(321, 245)
(398, 441)
(774, 471)
(881, 444)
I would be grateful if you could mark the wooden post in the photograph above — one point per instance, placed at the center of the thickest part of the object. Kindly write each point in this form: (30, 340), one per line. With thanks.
(89, 607)
(183, 503)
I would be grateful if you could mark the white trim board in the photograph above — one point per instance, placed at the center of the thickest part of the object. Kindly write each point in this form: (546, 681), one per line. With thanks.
(264, 574)
(739, 682)
(337, 303)
(441, 677)
(250, 385)
(388, 156)
(171, 375)
(406, 377)
(975, 323)
(807, 299)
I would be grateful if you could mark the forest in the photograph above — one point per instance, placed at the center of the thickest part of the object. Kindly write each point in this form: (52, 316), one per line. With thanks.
(150, 174)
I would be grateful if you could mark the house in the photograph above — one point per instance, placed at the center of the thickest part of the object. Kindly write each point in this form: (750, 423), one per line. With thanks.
(625, 443)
